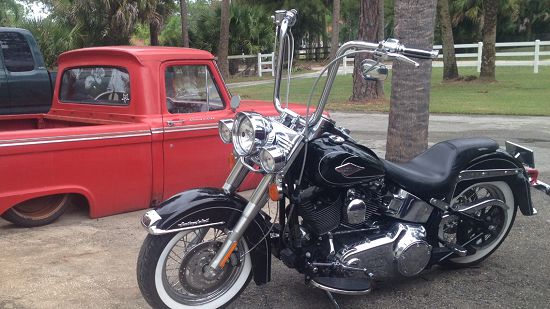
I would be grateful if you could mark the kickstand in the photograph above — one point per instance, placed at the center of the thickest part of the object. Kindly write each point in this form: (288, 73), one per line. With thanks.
(332, 300)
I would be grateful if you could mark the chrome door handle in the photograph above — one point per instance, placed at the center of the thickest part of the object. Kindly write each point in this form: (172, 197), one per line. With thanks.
(172, 123)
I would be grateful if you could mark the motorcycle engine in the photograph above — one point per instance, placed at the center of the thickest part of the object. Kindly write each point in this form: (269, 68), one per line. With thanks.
(393, 249)
(402, 250)
(323, 211)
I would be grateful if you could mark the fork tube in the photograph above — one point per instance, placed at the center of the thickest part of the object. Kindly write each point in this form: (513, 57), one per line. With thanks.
(255, 204)
(235, 178)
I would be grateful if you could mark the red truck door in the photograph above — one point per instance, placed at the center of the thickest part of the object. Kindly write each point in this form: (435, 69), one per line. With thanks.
(194, 155)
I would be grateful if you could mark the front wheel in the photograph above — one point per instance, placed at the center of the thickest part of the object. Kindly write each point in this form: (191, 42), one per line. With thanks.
(481, 240)
(170, 270)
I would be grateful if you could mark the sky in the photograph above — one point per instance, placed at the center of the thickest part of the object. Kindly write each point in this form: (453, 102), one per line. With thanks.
(36, 10)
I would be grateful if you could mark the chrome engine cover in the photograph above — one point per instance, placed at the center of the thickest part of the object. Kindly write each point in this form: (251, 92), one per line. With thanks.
(403, 250)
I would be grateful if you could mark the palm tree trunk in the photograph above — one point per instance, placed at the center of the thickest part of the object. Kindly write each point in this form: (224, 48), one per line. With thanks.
(369, 30)
(334, 40)
(184, 23)
(154, 33)
(489, 33)
(223, 47)
(381, 37)
(409, 113)
(450, 69)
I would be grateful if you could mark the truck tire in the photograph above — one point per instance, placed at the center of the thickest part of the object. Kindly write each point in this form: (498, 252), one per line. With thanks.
(39, 211)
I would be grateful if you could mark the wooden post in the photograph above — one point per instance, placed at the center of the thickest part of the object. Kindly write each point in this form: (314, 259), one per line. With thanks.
(537, 55)
(479, 54)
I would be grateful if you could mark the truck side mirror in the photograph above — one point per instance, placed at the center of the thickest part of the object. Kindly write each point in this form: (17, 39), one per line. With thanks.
(235, 102)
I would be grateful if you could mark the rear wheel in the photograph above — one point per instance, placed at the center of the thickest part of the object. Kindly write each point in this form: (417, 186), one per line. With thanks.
(39, 211)
(481, 240)
(171, 268)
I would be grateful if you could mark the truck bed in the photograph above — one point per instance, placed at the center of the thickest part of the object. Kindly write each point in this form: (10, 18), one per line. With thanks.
(44, 121)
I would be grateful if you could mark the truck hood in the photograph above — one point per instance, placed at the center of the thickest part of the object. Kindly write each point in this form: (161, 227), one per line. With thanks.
(266, 108)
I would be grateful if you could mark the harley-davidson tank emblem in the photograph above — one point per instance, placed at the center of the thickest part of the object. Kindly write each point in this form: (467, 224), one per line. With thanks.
(197, 222)
(348, 169)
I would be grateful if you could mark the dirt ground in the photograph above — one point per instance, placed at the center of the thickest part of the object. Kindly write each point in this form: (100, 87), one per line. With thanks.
(79, 262)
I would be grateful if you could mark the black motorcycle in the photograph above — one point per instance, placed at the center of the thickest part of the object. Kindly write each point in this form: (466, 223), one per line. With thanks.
(345, 217)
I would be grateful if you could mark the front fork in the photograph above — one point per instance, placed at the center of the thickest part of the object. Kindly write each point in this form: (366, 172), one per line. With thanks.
(255, 204)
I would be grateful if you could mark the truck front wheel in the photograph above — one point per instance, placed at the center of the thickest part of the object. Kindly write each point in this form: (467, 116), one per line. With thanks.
(39, 211)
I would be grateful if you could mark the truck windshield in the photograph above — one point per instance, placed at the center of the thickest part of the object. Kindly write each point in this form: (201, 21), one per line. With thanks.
(95, 85)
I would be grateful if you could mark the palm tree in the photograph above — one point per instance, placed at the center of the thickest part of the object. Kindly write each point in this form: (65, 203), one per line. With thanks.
(184, 23)
(154, 12)
(409, 113)
(489, 32)
(10, 12)
(223, 47)
(334, 39)
(450, 69)
(98, 22)
(369, 30)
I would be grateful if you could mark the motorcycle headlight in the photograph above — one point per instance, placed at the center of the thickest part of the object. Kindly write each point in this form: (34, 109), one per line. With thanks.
(250, 132)
(272, 159)
(225, 128)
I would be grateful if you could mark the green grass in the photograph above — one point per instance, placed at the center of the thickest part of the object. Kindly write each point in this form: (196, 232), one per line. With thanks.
(518, 91)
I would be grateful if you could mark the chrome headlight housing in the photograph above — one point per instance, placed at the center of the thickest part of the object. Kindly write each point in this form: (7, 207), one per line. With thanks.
(250, 132)
(272, 159)
(225, 128)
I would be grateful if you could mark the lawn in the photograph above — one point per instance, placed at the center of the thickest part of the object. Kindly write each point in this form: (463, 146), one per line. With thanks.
(518, 91)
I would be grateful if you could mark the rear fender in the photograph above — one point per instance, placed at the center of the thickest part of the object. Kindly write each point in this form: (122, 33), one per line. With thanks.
(214, 204)
(519, 183)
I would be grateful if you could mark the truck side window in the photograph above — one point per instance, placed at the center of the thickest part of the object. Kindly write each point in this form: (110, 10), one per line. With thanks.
(17, 53)
(95, 85)
(191, 89)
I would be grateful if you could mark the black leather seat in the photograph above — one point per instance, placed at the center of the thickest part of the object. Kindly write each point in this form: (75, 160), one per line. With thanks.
(432, 173)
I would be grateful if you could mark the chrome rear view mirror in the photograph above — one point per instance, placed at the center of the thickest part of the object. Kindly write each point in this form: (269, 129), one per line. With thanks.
(373, 70)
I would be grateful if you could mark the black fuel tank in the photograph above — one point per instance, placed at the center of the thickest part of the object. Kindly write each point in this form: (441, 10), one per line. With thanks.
(341, 163)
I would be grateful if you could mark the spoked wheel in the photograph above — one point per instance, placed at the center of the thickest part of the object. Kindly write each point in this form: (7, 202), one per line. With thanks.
(481, 239)
(38, 211)
(171, 270)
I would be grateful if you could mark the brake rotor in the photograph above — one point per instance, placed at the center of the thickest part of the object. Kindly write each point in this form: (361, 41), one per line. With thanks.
(193, 265)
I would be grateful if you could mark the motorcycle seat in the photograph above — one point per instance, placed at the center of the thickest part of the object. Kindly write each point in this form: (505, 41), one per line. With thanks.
(433, 173)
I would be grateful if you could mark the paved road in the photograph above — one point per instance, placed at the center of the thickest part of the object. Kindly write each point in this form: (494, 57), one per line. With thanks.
(82, 263)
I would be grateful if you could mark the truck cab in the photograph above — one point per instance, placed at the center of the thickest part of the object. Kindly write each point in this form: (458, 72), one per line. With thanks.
(26, 86)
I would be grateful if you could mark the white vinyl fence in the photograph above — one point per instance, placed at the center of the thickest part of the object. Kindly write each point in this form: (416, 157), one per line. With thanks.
(501, 60)
(475, 57)
(265, 62)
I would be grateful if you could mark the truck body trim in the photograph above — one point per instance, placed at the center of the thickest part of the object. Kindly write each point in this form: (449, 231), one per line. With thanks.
(71, 138)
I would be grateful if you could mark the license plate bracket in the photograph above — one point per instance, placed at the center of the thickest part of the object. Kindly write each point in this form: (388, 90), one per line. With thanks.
(523, 154)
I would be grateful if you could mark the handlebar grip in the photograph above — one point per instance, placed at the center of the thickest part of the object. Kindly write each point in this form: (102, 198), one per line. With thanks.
(419, 53)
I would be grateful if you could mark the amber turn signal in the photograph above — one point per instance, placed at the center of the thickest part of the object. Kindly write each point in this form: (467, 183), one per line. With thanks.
(274, 192)
(231, 160)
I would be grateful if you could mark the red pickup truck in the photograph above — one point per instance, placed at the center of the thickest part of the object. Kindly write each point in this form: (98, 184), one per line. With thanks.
(128, 128)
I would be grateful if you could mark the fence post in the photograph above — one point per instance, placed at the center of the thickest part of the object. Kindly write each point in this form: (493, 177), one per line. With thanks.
(259, 64)
(345, 66)
(479, 55)
(537, 54)
(273, 64)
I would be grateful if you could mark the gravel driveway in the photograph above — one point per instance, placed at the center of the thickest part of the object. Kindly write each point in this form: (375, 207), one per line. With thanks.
(78, 262)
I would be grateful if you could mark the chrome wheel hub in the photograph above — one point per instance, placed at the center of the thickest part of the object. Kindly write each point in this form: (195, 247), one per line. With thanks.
(192, 272)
